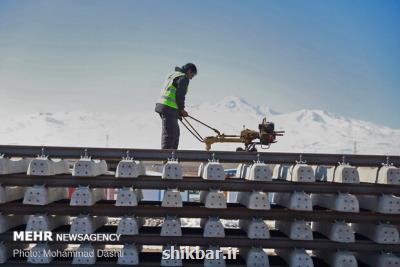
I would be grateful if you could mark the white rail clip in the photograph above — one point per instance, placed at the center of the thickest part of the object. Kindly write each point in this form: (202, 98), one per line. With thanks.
(343, 161)
(387, 163)
(213, 159)
(258, 159)
(43, 154)
(173, 157)
(85, 154)
(301, 161)
(128, 157)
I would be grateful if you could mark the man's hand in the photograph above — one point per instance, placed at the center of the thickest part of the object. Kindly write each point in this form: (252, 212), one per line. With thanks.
(184, 113)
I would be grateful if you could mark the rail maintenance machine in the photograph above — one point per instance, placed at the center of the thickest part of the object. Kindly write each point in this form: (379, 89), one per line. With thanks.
(264, 137)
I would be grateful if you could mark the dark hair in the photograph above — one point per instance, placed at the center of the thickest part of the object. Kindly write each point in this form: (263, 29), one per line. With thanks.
(190, 66)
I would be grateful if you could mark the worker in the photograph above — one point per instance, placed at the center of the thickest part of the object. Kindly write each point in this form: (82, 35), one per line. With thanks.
(171, 106)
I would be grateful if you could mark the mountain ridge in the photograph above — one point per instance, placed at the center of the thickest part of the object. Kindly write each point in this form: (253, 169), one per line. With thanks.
(307, 130)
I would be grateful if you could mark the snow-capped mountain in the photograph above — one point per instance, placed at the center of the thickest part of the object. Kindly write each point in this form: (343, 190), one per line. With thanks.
(306, 130)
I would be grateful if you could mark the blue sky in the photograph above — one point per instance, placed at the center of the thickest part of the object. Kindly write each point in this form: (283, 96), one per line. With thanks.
(340, 56)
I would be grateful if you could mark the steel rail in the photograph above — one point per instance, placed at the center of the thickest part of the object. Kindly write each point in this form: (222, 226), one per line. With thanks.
(65, 263)
(193, 155)
(197, 183)
(231, 241)
(191, 210)
(153, 259)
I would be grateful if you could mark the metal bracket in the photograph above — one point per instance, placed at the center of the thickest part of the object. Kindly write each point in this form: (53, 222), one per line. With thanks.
(43, 154)
(213, 159)
(343, 161)
(387, 163)
(85, 154)
(258, 159)
(301, 161)
(127, 157)
(173, 157)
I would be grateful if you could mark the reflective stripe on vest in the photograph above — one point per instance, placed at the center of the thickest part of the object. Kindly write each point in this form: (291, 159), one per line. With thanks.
(168, 94)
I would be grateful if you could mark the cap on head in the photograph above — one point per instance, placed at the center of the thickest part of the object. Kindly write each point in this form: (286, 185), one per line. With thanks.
(190, 66)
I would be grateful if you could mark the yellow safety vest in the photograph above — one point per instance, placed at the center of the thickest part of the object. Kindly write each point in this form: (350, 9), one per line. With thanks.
(168, 94)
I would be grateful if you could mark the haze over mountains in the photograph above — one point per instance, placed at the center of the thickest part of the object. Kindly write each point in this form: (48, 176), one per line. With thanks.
(306, 130)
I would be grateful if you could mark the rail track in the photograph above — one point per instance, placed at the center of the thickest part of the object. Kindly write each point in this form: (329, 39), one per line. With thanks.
(234, 211)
